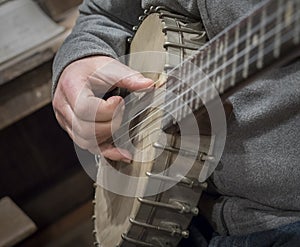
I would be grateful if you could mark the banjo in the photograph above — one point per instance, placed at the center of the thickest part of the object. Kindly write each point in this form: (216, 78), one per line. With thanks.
(174, 151)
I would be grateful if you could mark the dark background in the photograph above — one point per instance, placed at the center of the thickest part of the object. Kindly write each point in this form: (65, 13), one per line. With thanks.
(40, 171)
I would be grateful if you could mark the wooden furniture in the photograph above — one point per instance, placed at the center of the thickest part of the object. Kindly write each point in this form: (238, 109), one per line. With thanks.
(25, 81)
(15, 225)
(56, 9)
(39, 167)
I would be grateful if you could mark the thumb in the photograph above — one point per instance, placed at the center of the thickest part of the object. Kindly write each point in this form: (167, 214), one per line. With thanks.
(135, 81)
(117, 74)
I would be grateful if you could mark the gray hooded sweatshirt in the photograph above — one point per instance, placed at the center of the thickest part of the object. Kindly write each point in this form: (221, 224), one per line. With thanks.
(259, 174)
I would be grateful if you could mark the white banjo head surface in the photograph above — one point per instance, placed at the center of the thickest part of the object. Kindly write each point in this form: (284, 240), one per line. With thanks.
(158, 219)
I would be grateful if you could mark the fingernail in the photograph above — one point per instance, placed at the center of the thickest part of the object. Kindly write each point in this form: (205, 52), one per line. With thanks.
(144, 80)
(146, 89)
(114, 99)
(128, 161)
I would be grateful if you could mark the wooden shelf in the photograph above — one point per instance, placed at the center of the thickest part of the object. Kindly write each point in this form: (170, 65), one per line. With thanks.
(38, 55)
(15, 225)
(26, 79)
(75, 226)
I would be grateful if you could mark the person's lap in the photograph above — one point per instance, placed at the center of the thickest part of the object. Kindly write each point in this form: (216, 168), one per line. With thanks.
(202, 235)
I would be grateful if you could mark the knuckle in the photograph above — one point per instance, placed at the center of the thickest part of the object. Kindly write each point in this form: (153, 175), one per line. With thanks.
(86, 109)
(104, 133)
(82, 111)
(85, 131)
(65, 81)
(79, 110)
(101, 137)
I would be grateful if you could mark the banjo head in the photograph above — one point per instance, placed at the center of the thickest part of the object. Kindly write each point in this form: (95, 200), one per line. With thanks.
(159, 219)
(113, 211)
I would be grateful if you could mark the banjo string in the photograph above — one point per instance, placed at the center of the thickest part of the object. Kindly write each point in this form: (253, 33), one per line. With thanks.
(252, 59)
(212, 61)
(229, 62)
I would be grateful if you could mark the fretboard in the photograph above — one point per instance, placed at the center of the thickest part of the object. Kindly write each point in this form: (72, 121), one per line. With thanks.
(269, 35)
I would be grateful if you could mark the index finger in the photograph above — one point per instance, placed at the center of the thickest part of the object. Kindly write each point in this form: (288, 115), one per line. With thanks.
(86, 106)
(91, 108)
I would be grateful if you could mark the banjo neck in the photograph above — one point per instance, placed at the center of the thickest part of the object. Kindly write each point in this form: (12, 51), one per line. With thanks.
(269, 36)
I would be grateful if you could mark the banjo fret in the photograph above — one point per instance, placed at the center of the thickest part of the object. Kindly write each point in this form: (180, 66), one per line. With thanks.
(254, 46)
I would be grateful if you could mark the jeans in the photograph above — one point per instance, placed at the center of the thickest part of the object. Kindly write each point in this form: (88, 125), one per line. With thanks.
(202, 235)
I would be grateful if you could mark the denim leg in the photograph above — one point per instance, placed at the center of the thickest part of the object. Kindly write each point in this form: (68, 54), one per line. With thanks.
(200, 233)
(284, 236)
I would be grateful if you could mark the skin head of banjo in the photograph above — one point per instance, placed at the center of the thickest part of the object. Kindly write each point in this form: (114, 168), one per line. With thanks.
(162, 219)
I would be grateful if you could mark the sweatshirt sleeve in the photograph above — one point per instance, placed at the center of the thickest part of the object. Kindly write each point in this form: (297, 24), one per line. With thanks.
(219, 14)
(101, 29)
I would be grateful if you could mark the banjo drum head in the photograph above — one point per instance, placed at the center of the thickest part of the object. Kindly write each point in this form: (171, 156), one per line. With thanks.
(113, 211)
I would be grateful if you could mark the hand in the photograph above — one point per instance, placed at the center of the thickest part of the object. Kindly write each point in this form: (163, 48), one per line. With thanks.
(90, 120)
